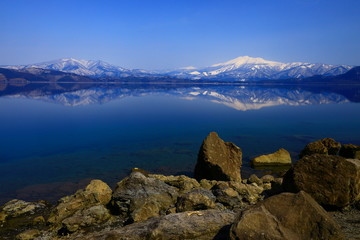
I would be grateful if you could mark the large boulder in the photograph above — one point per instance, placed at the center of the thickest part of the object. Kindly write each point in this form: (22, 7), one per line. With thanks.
(141, 197)
(280, 157)
(218, 160)
(96, 193)
(199, 225)
(332, 181)
(286, 216)
(327, 146)
(350, 151)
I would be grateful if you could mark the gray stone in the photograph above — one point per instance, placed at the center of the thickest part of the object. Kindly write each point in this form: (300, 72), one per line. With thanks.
(197, 199)
(142, 197)
(199, 225)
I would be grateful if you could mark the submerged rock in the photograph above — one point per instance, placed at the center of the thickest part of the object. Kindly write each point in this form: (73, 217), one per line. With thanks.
(327, 146)
(141, 197)
(199, 225)
(331, 180)
(280, 157)
(350, 151)
(218, 160)
(286, 216)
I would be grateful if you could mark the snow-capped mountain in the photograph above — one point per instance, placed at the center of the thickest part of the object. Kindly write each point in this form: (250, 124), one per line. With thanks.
(249, 68)
(238, 69)
(82, 67)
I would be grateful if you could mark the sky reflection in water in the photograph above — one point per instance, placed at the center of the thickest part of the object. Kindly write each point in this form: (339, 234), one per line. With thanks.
(59, 135)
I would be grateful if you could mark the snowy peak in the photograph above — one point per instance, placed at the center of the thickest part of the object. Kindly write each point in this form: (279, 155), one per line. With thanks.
(81, 67)
(239, 61)
(249, 68)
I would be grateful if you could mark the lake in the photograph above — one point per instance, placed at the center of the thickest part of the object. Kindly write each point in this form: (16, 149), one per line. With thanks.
(54, 138)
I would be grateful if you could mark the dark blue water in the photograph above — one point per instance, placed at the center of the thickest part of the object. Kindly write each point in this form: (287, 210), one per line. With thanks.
(55, 138)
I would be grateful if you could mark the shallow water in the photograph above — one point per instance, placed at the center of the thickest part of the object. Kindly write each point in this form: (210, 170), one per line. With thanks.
(55, 138)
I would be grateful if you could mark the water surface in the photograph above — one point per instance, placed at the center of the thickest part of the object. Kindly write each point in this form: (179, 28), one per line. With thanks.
(54, 138)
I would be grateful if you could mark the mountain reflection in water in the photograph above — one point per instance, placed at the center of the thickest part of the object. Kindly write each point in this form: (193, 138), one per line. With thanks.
(55, 137)
(237, 97)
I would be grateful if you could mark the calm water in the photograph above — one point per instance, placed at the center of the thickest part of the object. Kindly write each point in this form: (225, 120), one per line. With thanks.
(55, 138)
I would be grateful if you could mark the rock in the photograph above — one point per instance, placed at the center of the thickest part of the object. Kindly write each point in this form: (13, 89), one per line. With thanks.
(28, 234)
(331, 180)
(144, 172)
(327, 146)
(254, 179)
(200, 225)
(236, 195)
(15, 208)
(198, 199)
(39, 219)
(207, 184)
(249, 193)
(218, 160)
(3, 216)
(182, 183)
(141, 197)
(86, 217)
(280, 157)
(350, 151)
(96, 193)
(267, 178)
(286, 216)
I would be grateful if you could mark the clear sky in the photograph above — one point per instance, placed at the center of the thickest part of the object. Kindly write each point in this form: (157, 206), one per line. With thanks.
(157, 34)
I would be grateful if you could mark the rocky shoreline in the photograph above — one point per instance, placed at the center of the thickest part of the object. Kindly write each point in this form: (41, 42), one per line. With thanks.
(317, 198)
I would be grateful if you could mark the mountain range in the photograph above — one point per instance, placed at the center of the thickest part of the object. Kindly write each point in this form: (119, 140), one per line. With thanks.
(239, 69)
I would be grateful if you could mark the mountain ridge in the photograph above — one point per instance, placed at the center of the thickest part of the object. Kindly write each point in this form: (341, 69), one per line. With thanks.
(239, 69)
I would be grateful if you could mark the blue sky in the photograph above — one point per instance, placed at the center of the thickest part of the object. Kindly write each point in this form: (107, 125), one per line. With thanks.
(161, 34)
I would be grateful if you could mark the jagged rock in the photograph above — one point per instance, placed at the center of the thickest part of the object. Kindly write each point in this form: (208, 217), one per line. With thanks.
(280, 157)
(86, 217)
(28, 234)
(218, 160)
(96, 193)
(142, 197)
(350, 151)
(330, 180)
(183, 183)
(327, 146)
(286, 216)
(17, 207)
(197, 199)
(255, 179)
(200, 225)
